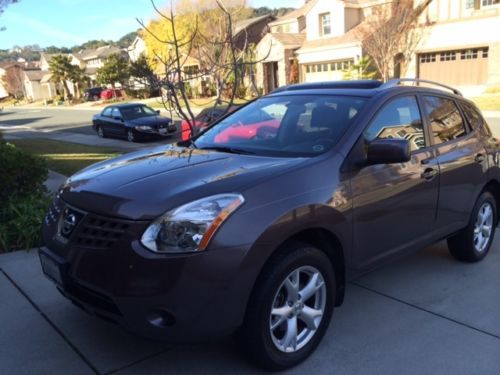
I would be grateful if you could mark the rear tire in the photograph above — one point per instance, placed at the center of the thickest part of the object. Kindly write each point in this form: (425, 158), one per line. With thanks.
(473, 242)
(100, 132)
(290, 308)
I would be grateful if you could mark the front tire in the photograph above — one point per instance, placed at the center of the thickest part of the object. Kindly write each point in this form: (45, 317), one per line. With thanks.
(473, 242)
(290, 308)
(131, 136)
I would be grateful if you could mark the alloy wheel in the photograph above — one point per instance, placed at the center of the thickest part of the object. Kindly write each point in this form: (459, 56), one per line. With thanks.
(298, 308)
(483, 227)
(100, 132)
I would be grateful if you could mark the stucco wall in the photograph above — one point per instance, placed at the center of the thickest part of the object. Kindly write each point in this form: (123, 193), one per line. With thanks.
(336, 10)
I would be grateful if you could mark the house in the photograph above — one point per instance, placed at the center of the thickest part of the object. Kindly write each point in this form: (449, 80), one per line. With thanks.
(136, 49)
(276, 51)
(461, 46)
(460, 43)
(94, 58)
(33, 85)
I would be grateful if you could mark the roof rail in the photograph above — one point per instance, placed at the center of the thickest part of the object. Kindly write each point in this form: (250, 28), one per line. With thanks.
(356, 84)
(417, 81)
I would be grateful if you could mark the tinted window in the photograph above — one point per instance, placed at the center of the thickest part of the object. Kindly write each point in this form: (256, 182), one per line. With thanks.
(474, 118)
(137, 111)
(400, 118)
(107, 112)
(298, 125)
(116, 113)
(445, 119)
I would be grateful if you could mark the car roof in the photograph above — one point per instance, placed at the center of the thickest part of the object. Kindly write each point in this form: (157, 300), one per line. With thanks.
(126, 105)
(367, 88)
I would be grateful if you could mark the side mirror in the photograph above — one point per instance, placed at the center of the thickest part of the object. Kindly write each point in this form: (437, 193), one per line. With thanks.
(157, 111)
(388, 151)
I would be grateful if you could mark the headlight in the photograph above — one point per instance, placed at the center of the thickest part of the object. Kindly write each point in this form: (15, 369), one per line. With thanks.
(143, 127)
(190, 227)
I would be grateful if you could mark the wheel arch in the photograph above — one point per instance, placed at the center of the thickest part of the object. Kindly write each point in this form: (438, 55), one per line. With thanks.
(493, 186)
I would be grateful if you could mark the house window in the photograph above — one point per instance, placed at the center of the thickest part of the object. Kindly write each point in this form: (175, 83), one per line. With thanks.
(470, 4)
(448, 56)
(428, 57)
(486, 3)
(308, 68)
(325, 26)
(468, 54)
(485, 52)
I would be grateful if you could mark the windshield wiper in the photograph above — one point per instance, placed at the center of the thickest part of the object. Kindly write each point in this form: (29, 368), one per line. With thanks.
(230, 150)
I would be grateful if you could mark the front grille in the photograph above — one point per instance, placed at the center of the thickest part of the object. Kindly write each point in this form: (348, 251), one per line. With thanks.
(98, 232)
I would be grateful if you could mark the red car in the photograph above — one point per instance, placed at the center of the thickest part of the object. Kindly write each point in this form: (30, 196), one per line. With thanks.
(264, 129)
(204, 118)
(108, 94)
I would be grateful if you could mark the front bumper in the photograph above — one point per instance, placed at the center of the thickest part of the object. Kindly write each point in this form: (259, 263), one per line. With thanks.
(175, 298)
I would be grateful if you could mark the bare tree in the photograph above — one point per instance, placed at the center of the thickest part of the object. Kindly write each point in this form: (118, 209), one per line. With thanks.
(13, 81)
(220, 55)
(392, 34)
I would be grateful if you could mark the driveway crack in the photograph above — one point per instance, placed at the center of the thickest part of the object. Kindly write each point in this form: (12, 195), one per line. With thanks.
(427, 311)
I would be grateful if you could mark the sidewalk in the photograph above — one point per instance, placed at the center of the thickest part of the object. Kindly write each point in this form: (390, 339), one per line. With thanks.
(425, 314)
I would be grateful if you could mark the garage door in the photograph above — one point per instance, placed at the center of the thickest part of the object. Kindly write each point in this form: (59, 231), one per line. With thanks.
(457, 67)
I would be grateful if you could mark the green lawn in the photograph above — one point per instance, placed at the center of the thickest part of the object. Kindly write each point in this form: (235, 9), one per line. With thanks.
(488, 102)
(65, 157)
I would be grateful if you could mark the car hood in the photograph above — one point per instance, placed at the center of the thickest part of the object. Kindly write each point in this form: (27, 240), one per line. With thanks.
(145, 184)
(149, 120)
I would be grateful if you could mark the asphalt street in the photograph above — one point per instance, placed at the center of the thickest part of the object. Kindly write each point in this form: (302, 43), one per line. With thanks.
(70, 125)
(22, 121)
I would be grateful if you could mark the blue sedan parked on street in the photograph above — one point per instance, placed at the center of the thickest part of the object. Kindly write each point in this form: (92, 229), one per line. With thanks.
(133, 121)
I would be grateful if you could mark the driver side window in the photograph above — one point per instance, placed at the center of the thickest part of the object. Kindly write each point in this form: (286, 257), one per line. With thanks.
(400, 118)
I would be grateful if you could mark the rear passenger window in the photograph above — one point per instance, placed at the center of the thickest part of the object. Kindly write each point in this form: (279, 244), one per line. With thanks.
(400, 118)
(445, 119)
(474, 118)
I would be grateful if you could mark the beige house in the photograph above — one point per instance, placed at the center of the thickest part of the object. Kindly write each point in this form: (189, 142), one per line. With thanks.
(460, 44)
(276, 51)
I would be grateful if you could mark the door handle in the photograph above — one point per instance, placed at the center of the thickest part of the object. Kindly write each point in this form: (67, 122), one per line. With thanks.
(429, 174)
(479, 158)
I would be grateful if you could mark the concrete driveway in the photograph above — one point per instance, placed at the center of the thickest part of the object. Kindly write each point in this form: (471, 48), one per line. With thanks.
(424, 314)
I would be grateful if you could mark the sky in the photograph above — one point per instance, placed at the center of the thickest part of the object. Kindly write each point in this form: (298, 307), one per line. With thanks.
(65, 23)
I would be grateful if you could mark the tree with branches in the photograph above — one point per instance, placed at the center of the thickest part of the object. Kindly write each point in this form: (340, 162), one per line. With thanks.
(62, 71)
(13, 81)
(206, 34)
(114, 70)
(392, 32)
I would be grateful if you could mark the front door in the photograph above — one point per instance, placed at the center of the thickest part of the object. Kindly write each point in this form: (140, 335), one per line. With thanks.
(394, 204)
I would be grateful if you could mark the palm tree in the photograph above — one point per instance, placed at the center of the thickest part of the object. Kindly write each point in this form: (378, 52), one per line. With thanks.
(62, 70)
(78, 77)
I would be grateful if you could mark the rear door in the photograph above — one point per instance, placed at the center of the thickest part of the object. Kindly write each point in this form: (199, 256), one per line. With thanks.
(462, 161)
(105, 118)
(395, 204)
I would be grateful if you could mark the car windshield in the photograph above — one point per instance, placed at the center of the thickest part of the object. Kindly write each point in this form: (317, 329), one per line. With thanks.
(298, 125)
(137, 111)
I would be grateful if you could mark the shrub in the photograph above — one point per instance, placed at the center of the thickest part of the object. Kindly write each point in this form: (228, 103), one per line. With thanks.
(23, 198)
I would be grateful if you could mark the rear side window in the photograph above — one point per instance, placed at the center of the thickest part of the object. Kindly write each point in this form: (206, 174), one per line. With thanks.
(399, 118)
(116, 112)
(474, 119)
(107, 112)
(446, 122)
